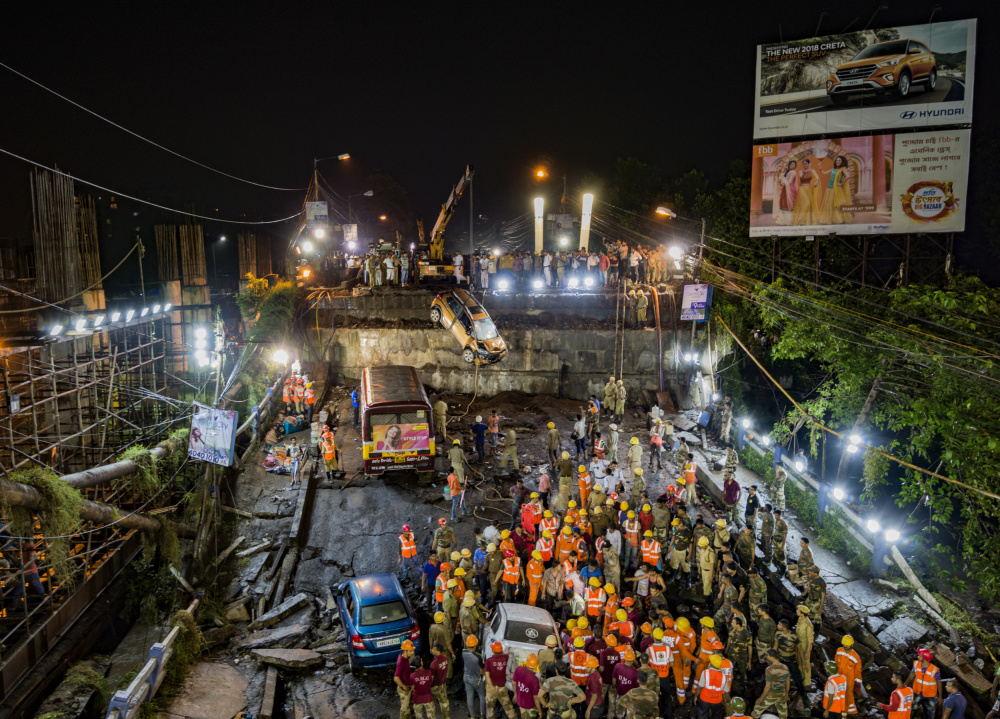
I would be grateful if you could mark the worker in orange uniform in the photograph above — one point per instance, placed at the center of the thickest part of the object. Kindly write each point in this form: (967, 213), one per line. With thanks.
(849, 664)
(578, 662)
(595, 597)
(630, 545)
(705, 641)
(900, 701)
(565, 544)
(584, 482)
(571, 512)
(287, 396)
(624, 627)
(407, 553)
(300, 395)
(684, 657)
(545, 546)
(441, 583)
(926, 679)
(712, 688)
(329, 447)
(661, 660)
(835, 692)
(512, 573)
(650, 549)
(583, 522)
(309, 397)
(549, 523)
(691, 479)
(610, 607)
(459, 589)
(506, 542)
(533, 572)
(583, 630)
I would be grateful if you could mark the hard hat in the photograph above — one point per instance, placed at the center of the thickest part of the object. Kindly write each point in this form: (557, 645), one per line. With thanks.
(715, 660)
(646, 627)
(534, 495)
(535, 554)
(571, 624)
(438, 617)
(551, 641)
(925, 654)
(582, 623)
(614, 428)
(469, 600)
(504, 534)
(657, 634)
(567, 529)
(406, 527)
(681, 481)
(532, 661)
(847, 641)
(658, 421)
(445, 566)
(547, 534)
(597, 509)
(623, 506)
(717, 645)
(683, 624)
(611, 379)
(509, 553)
(610, 501)
(551, 425)
(609, 588)
(442, 521)
(831, 668)
(479, 418)
(638, 470)
(634, 440)
(565, 455)
(591, 662)
(459, 572)
(595, 582)
(720, 523)
(466, 553)
(803, 609)
(571, 504)
(668, 622)
(326, 428)
(703, 542)
(674, 522)
(406, 646)
(621, 615)
(452, 583)
(629, 655)
(496, 646)
(646, 508)
(628, 602)
(631, 514)
(707, 622)
(632, 293)
(471, 641)
(491, 547)
(583, 512)
(648, 533)
(455, 556)
(619, 383)
(738, 706)
(578, 642)
(547, 514)
(581, 469)
(455, 441)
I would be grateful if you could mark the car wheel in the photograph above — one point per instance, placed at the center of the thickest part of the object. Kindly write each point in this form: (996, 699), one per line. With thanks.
(436, 315)
(838, 99)
(355, 670)
(903, 88)
(931, 80)
(469, 355)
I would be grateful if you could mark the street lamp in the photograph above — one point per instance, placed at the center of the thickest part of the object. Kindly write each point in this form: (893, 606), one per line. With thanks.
(319, 233)
(366, 193)
(666, 212)
(215, 267)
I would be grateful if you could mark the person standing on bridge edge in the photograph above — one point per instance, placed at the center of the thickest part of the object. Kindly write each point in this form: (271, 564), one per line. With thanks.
(356, 404)
(309, 397)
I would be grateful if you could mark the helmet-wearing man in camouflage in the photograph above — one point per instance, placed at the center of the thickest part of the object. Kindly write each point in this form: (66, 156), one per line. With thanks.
(737, 705)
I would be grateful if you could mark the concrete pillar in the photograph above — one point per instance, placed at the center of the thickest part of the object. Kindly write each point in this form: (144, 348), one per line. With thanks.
(539, 219)
(588, 208)
(170, 291)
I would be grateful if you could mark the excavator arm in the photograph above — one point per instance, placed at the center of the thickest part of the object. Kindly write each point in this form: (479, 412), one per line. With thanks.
(447, 210)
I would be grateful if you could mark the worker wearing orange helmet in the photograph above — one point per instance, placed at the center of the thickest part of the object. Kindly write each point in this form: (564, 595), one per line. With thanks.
(684, 657)
(495, 669)
(527, 688)
(401, 677)
(511, 573)
(584, 483)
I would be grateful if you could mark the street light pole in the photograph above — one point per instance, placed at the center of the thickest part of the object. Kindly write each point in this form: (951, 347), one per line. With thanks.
(472, 216)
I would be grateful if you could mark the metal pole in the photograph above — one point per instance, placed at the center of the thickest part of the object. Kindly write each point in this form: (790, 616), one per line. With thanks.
(472, 216)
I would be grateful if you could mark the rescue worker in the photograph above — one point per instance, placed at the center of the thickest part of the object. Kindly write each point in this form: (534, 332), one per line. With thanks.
(613, 445)
(495, 669)
(684, 659)
(620, 396)
(584, 483)
(775, 694)
(565, 468)
(329, 448)
(835, 692)
(577, 659)
(553, 443)
(737, 706)
(634, 456)
(642, 702)
(787, 645)
(440, 411)
(804, 632)
(681, 547)
(441, 666)
(457, 458)
(661, 660)
(287, 396)
(638, 485)
(650, 549)
(900, 701)
(300, 394)
(778, 488)
(707, 566)
(690, 470)
(402, 680)
(610, 393)
(767, 532)
(510, 450)
(438, 633)
(444, 538)
(449, 604)
(640, 305)
(512, 574)
(815, 595)
(778, 540)
(309, 397)
(739, 648)
(630, 543)
(533, 574)
(468, 620)
(712, 686)
(407, 553)
(596, 598)
(849, 664)
(926, 682)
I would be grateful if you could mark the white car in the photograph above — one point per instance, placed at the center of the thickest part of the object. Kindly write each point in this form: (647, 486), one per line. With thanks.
(521, 629)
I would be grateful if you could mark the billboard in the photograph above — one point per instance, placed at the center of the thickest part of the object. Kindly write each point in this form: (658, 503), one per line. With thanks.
(898, 77)
(696, 301)
(913, 182)
(401, 437)
(316, 212)
(213, 435)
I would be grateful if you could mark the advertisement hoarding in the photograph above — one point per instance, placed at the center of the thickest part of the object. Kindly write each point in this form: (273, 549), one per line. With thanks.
(316, 211)
(213, 435)
(401, 437)
(350, 233)
(696, 302)
(914, 182)
(899, 77)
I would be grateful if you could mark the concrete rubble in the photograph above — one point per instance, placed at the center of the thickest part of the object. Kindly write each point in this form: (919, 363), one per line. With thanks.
(280, 637)
(288, 658)
(290, 605)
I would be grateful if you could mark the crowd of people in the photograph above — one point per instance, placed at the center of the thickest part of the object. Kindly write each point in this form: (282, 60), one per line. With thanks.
(661, 606)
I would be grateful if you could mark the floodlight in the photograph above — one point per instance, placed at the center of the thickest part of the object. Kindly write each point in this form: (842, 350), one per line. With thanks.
(502, 284)
(116, 316)
(892, 535)
(307, 246)
(319, 233)
(799, 466)
(573, 282)
(746, 424)
(129, 315)
(589, 282)
(838, 493)
(145, 311)
(99, 320)
(280, 356)
(873, 525)
(201, 333)
(537, 284)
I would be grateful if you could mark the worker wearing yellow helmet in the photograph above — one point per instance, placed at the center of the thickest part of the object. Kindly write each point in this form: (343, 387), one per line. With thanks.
(631, 530)
(681, 547)
(565, 467)
(610, 390)
(553, 443)
(620, 396)
(584, 482)
(634, 457)
(708, 565)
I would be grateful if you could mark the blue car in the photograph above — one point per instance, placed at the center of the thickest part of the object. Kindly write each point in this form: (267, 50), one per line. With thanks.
(377, 619)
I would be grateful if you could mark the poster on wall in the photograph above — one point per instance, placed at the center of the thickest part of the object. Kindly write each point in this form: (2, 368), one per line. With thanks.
(913, 182)
(213, 435)
(696, 302)
(401, 437)
(897, 77)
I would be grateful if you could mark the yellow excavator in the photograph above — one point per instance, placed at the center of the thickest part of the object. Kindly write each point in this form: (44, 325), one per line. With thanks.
(438, 266)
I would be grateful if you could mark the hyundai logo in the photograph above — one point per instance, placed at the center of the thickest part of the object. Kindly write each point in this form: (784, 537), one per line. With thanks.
(908, 115)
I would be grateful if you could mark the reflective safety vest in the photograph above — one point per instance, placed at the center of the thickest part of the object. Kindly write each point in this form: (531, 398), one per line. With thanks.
(713, 686)
(708, 638)
(442, 579)
(551, 524)
(408, 547)
(459, 590)
(329, 449)
(300, 392)
(564, 545)
(599, 548)
(584, 482)
(578, 667)
(544, 547)
(527, 518)
(905, 695)
(285, 394)
(690, 473)
(626, 629)
(835, 694)
(537, 512)
(310, 396)
(534, 571)
(595, 597)
(632, 531)
(651, 551)
(585, 528)
(924, 682)
(609, 612)
(848, 664)
(511, 567)
(659, 659)
(569, 567)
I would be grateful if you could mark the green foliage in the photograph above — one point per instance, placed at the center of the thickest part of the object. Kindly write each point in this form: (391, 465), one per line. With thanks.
(875, 472)
(150, 590)
(145, 481)
(958, 617)
(83, 674)
(250, 299)
(276, 313)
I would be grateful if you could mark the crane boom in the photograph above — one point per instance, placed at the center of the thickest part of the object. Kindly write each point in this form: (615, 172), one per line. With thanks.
(447, 210)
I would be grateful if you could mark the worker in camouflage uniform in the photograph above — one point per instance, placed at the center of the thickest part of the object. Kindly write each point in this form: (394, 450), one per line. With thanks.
(787, 645)
(643, 701)
(756, 589)
(725, 428)
(767, 630)
(610, 392)
(815, 594)
(560, 694)
(732, 459)
(680, 549)
(805, 557)
(729, 596)
(778, 540)
(766, 532)
(661, 521)
(630, 311)
(745, 547)
(739, 649)
(775, 694)
(444, 538)
(778, 488)
(805, 634)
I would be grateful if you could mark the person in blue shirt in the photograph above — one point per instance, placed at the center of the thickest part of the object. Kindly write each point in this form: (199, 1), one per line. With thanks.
(479, 562)
(954, 703)
(430, 574)
(479, 435)
(591, 570)
(356, 403)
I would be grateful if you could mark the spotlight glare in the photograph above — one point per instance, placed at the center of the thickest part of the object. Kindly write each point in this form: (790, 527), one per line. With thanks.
(799, 466)
(156, 309)
(129, 315)
(280, 356)
(767, 440)
(852, 448)
(201, 344)
(502, 284)
(715, 397)
(573, 282)
(892, 535)
(873, 525)
(99, 320)
(201, 333)
(166, 307)
(80, 325)
(675, 252)
(307, 246)
(319, 233)
(116, 316)
(56, 329)
(145, 311)
(537, 284)
(589, 282)
(746, 424)
(838, 493)
(855, 439)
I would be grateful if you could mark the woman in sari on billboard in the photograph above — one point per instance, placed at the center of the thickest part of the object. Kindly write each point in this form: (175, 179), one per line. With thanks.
(837, 195)
(393, 440)
(788, 191)
(806, 208)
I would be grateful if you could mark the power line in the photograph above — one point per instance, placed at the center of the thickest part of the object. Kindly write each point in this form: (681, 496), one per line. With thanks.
(146, 139)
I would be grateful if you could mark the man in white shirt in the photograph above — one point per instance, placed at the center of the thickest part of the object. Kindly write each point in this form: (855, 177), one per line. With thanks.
(614, 538)
(547, 265)
(612, 476)
(458, 260)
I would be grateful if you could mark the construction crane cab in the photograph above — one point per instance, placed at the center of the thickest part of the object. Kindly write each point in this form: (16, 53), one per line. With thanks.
(437, 266)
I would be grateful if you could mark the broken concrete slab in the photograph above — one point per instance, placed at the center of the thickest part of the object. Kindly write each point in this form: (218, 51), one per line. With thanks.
(250, 551)
(251, 571)
(287, 607)
(868, 598)
(71, 698)
(961, 667)
(280, 637)
(238, 613)
(839, 614)
(211, 690)
(901, 634)
(218, 635)
(876, 624)
(270, 690)
(288, 658)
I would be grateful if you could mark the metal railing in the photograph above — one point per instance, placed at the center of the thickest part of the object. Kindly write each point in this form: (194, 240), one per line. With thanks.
(126, 702)
(259, 416)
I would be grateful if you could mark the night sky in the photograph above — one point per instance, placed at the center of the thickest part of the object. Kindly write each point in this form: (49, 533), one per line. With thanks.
(414, 90)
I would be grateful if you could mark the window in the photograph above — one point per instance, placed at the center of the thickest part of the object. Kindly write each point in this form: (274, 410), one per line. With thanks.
(349, 603)
(486, 330)
(384, 613)
(495, 626)
(454, 305)
(527, 632)
(896, 47)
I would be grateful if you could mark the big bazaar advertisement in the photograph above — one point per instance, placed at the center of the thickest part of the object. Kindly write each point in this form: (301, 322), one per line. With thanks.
(887, 79)
(913, 182)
